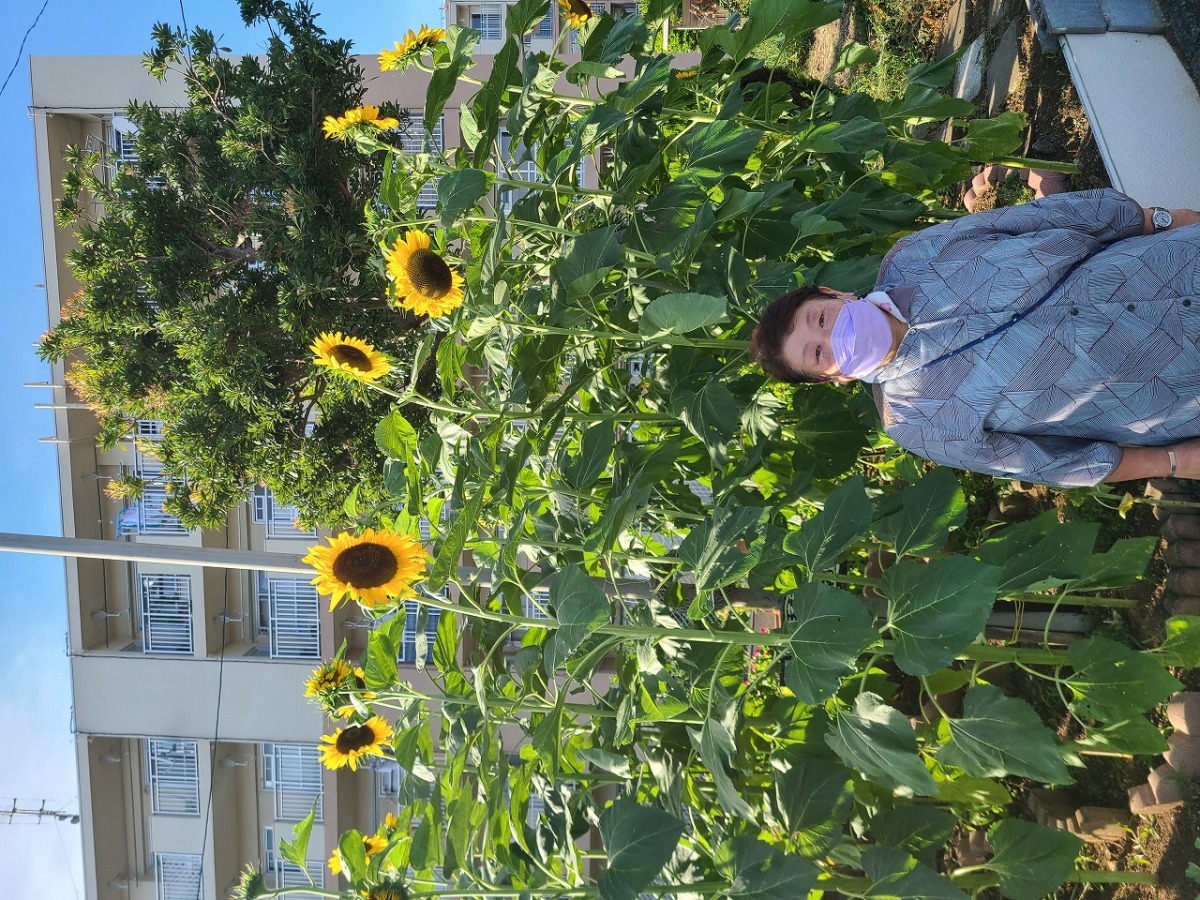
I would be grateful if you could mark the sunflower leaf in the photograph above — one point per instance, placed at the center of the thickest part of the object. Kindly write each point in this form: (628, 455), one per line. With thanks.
(458, 192)
(446, 562)
(580, 606)
(296, 850)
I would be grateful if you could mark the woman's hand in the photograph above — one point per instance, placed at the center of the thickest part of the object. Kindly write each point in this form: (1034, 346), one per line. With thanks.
(1155, 462)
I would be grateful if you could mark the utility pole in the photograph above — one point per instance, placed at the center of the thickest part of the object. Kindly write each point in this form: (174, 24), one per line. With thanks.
(41, 813)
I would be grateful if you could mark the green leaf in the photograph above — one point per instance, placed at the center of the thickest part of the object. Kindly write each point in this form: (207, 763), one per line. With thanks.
(1118, 567)
(897, 876)
(1113, 683)
(879, 742)
(921, 830)
(450, 552)
(711, 550)
(295, 851)
(936, 610)
(845, 518)
(380, 672)
(1182, 644)
(524, 14)
(813, 802)
(854, 54)
(639, 841)
(989, 139)
(1032, 860)
(353, 853)
(712, 414)
(579, 606)
(458, 192)
(832, 631)
(607, 760)
(982, 744)
(828, 436)
(1041, 553)
(451, 59)
(618, 514)
(588, 69)
(681, 313)
(595, 448)
(587, 254)
(1136, 736)
(935, 74)
(395, 437)
(718, 149)
(929, 509)
(451, 355)
(759, 871)
(717, 747)
(426, 842)
(547, 739)
(784, 20)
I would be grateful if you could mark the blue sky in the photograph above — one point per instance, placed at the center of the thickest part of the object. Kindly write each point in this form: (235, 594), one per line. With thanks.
(37, 750)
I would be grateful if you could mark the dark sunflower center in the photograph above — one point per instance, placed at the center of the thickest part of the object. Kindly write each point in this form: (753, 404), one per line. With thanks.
(351, 356)
(429, 273)
(580, 8)
(355, 738)
(365, 565)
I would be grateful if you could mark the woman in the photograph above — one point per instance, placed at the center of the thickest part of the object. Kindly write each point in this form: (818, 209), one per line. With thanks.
(1056, 341)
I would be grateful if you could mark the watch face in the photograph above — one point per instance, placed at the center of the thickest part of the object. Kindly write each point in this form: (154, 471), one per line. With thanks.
(1161, 219)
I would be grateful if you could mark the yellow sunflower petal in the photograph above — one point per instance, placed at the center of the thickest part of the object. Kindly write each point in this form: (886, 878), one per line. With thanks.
(371, 568)
(349, 356)
(347, 745)
(422, 281)
(576, 12)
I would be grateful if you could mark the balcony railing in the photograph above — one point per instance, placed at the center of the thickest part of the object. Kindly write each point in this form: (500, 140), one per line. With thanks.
(177, 876)
(174, 776)
(297, 782)
(279, 520)
(293, 617)
(166, 613)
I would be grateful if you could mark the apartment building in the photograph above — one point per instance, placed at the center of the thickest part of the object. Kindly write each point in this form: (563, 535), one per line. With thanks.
(196, 747)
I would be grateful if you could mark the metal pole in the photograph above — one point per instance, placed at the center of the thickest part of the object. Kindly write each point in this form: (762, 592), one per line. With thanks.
(214, 557)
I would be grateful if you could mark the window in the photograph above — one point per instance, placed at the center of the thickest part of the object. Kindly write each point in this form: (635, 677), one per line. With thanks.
(166, 607)
(414, 138)
(409, 651)
(296, 782)
(174, 777)
(533, 606)
(279, 520)
(526, 170)
(543, 29)
(486, 19)
(177, 876)
(289, 614)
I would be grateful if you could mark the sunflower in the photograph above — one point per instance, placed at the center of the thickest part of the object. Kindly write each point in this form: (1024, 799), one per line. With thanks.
(346, 745)
(369, 568)
(327, 677)
(410, 49)
(349, 356)
(421, 280)
(686, 73)
(391, 891)
(339, 126)
(576, 12)
(371, 845)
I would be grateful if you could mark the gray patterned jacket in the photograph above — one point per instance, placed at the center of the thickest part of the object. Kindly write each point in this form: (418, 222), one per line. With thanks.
(1112, 357)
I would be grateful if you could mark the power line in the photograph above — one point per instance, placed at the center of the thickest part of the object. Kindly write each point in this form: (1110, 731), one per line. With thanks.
(22, 47)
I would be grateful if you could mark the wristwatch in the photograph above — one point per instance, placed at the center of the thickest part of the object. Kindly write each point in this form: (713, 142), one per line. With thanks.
(1161, 218)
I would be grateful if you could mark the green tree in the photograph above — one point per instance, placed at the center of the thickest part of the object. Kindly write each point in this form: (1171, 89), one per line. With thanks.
(236, 238)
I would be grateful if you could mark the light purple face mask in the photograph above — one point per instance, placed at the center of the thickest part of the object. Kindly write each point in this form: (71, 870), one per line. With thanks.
(861, 338)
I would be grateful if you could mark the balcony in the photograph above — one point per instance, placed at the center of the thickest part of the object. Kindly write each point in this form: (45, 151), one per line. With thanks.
(292, 773)
(289, 614)
(177, 876)
(173, 776)
(279, 520)
(166, 613)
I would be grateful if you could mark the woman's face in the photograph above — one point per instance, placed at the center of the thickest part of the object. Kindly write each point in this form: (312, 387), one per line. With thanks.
(806, 347)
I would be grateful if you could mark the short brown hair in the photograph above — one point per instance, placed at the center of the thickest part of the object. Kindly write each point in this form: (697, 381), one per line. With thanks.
(766, 343)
